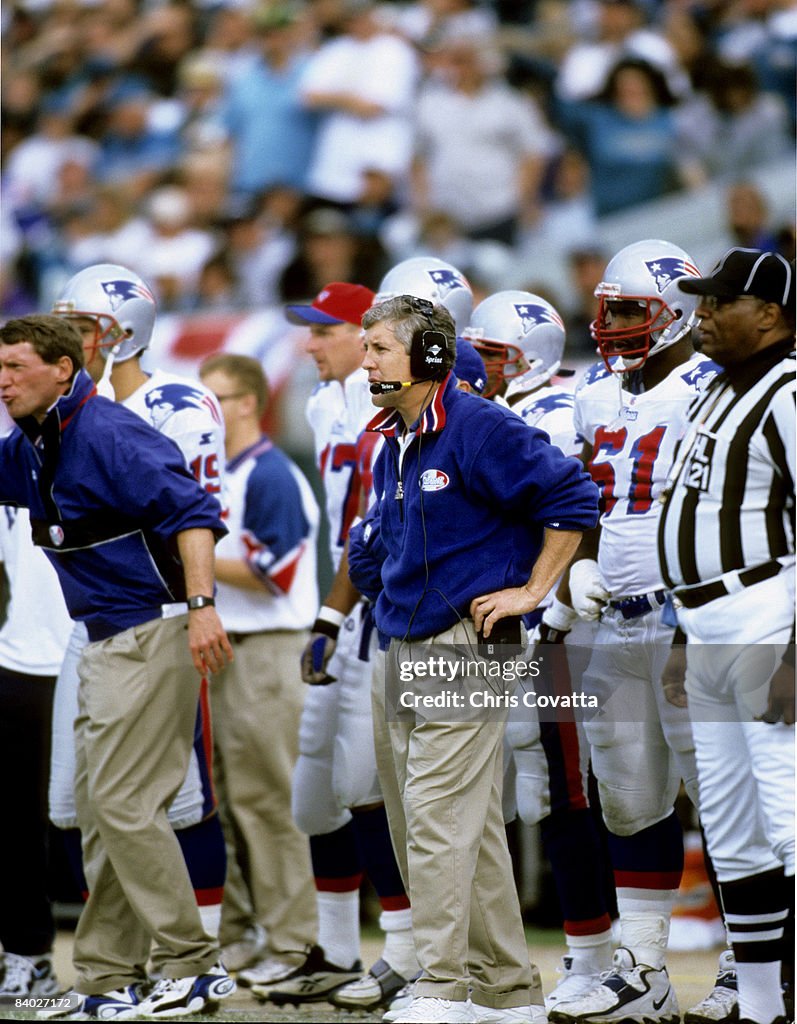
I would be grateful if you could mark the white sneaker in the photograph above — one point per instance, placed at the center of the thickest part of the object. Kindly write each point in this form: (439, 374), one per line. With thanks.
(573, 983)
(24, 976)
(179, 997)
(721, 1005)
(266, 971)
(431, 1010)
(531, 1014)
(400, 1001)
(311, 982)
(121, 1004)
(629, 992)
(376, 988)
(246, 950)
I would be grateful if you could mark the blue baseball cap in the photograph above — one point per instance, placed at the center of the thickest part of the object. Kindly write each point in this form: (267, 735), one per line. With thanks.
(469, 366)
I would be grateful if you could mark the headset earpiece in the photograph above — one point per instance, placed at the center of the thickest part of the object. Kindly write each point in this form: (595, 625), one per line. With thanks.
(430, 352)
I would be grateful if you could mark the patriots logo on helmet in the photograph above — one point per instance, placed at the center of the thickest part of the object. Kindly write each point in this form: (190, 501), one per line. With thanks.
(531, 314)
(120, 291)
(668, 269)
(446, 280)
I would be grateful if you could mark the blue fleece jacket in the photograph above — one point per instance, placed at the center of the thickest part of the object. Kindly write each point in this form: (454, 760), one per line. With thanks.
(107, 495)
(462, 510)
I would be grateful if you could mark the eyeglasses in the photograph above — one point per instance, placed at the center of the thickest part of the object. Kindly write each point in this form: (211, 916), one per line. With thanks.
(716, 302)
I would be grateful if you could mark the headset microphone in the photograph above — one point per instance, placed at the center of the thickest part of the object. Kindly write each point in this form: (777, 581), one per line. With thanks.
(390, 387)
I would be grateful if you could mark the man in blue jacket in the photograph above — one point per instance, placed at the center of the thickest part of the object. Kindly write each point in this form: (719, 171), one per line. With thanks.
(476, 516)
(130, 534)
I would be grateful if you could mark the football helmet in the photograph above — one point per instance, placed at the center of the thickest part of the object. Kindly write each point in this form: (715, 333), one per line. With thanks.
(521, 339)
(645, 274)
(427, 277)
(120, 304)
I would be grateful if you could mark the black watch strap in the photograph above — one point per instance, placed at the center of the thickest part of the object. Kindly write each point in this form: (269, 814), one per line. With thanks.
(200, 602)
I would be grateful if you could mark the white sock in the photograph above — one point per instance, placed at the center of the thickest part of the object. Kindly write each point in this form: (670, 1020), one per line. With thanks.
(760, 996)
(591, 953)
(399, 948)
(645, 927)
(211, 919)
(339, 926)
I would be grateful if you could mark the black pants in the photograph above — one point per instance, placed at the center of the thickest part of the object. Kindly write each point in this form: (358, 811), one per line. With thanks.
(26, 706)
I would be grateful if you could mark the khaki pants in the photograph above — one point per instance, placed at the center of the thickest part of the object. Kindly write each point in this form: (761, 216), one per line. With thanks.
(257, 703)
(442, 787)
(134, 733)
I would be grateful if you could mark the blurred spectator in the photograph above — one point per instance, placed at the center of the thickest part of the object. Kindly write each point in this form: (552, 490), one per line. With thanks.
(230, 40)
(427, 23)
(748, 219)
(481, 148)
(568, 220)
(168, 34)
(330, 250)
(586, 268)
(218, 288)
(272, 136)
(629, 136)
(260, 244)
(176, 251)
(735, 126)
(620, 31)
(364, 83)
(107, 230)
(131, 151)
(200, 110)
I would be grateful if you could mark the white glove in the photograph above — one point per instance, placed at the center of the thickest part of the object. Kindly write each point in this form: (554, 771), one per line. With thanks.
(321, 646)
(587, 592)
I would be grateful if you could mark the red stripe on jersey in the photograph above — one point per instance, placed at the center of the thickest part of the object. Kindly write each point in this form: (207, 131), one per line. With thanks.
(209, 897)
(647, 879)
(284, 573)
(394, 902)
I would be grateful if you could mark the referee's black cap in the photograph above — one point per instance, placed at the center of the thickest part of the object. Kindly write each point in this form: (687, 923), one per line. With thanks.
(766, 275)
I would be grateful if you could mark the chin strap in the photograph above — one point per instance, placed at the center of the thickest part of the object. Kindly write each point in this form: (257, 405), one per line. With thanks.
(104, 386)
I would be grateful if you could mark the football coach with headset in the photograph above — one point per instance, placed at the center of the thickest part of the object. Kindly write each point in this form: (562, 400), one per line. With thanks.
(475, 517)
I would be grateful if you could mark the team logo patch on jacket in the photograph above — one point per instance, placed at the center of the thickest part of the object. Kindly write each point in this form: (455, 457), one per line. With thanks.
(433, 480)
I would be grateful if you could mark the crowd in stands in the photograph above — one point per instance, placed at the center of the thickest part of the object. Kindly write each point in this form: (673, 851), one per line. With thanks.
(240, 154)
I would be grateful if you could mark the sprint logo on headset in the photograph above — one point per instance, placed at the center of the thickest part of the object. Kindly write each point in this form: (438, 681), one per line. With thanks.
(434, 480)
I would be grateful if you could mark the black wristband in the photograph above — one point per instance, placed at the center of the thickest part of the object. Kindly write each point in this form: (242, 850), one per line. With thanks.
(326, 628)
(200, 601)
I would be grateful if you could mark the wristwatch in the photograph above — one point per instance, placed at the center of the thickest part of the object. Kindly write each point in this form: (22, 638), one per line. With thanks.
(200, 602)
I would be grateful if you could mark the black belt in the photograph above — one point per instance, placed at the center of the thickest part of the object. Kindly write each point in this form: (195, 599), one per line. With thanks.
(696, 597)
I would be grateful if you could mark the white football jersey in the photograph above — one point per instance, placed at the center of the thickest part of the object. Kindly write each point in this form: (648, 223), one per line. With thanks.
(551, 409)
(633, 440)
(187, 412)
(338, 414)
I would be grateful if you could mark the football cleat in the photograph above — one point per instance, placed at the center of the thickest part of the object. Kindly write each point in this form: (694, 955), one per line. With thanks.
(721, 1005)
(630, 992)
(311, 982)
(179, 997)
(572, 983)
(25, 976)
(376, 988)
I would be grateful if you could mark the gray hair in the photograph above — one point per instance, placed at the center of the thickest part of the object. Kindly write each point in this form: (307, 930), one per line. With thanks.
(403, 315)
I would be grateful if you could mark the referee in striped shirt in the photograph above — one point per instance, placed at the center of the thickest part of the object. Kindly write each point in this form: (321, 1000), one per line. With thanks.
(726, 545)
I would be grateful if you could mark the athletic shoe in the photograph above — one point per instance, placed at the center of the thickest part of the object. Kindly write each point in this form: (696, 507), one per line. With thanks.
(24, 976)
(431, 1010)
(121, 1004)
(310, 982)
(400, 1001)
(178, 997)
(721, 1005)
(267, 971)
(573, 983)
(629, 992)
(376, 988)
(246, 950)
(509, 1014)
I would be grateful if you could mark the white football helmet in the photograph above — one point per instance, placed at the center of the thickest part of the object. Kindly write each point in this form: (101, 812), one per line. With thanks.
(427, 277)
(521, 339)
(120, 304)
(644, 274)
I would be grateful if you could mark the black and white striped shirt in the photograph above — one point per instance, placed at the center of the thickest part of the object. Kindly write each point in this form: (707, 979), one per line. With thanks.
(730, 497)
